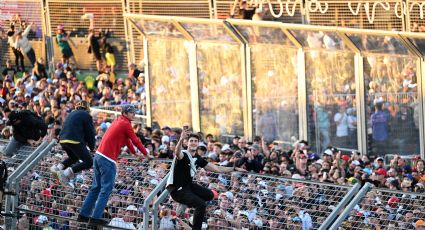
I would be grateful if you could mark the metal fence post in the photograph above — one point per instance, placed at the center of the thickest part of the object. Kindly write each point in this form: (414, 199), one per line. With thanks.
(155, 208)
(12, 202)
(351, 205)
(329, 220)
(148, 200)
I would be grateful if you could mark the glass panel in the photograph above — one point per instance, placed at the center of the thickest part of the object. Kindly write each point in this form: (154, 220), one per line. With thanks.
(208, 32)
(420, 44)
(220, 88)
(258, 34)
(275, 90)
(378, 44)
(156, 28)
(169, 82)
(392, 105)
(331, 100)
(319, 40)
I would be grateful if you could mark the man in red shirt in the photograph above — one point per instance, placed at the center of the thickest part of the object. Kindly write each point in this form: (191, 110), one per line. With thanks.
(119, 134)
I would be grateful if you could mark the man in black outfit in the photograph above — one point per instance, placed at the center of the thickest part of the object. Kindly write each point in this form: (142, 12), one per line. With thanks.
(77, 133)
(28, 128)
(180, 183)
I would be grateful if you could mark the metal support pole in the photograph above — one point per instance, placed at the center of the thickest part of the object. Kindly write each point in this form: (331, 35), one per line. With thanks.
(347, 198)
(351, 205)
(150, 198)
(155, 208)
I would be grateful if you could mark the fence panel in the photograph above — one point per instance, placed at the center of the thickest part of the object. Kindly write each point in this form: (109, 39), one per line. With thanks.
(30, 11)
(185, 8)
(256, 201)
(48, 203)
(355, 14)
(107, 15)
(386, 209)
(415, 10)
(288, 12)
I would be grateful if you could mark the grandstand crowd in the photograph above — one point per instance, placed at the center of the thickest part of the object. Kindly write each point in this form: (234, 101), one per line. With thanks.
(269, 205)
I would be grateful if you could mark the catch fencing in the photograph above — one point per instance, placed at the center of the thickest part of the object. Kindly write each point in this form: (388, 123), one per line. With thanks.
(45, 202)
(256, 201)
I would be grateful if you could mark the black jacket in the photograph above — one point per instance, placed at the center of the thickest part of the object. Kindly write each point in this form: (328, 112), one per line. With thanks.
(79, 127)
(27, 126)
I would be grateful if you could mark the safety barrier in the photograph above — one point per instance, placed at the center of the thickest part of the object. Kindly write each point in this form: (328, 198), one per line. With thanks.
(48, 203)
(256, 201)
(12, 183)
(380, 208)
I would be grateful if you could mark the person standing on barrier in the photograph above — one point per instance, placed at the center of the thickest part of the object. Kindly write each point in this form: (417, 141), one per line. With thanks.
(63, 42)
(28, 128)
(19, 57)
(183, 169)
(77, 133)
(119, 134)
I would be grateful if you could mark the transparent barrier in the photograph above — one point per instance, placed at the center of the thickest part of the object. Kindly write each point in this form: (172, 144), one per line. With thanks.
(275, 92)
(220, 88)
(331, 100)
(45, 202)
(391, 84)
(169, 82)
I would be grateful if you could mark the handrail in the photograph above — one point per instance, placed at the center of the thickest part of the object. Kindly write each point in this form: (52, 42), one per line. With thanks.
(351, 205)
(150, 198)
(155, 208)
(329, 220)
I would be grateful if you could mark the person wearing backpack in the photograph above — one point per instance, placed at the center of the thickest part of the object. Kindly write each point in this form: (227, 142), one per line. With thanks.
(28, 129)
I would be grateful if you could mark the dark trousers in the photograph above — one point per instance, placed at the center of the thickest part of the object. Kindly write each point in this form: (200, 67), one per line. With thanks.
(75, 153)
(194, 196)
(31, 56)
(19, 58)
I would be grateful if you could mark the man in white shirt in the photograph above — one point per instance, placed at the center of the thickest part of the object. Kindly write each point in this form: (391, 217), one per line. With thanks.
(127, 221)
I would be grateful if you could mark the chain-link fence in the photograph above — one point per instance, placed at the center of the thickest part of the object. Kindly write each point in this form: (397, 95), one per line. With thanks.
(44, 202)
(248, 201)
(385, 209)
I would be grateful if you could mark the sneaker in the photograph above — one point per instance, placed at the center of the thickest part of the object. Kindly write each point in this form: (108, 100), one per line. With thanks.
(83, 219)
(181, 208)
(98, 222)
(55, 171)
(63, 180)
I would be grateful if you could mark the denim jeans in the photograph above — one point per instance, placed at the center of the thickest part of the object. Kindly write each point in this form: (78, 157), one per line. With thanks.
(103, 183)
(12, 147)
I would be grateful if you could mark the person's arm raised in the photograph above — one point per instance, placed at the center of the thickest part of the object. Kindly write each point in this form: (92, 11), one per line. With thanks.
(178, 150)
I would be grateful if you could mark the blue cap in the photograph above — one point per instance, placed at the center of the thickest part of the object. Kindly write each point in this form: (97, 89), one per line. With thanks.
(368, 171)
(104, 126)
(49, 80)
(33, 77)
(408, 175)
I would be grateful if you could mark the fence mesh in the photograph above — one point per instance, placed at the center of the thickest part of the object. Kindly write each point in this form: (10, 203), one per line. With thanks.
(49, 203)
(248, 201)
(385, 209)
(362, 14)
(107, 16)
(191, 8)
(109, 113)
(415, 9)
